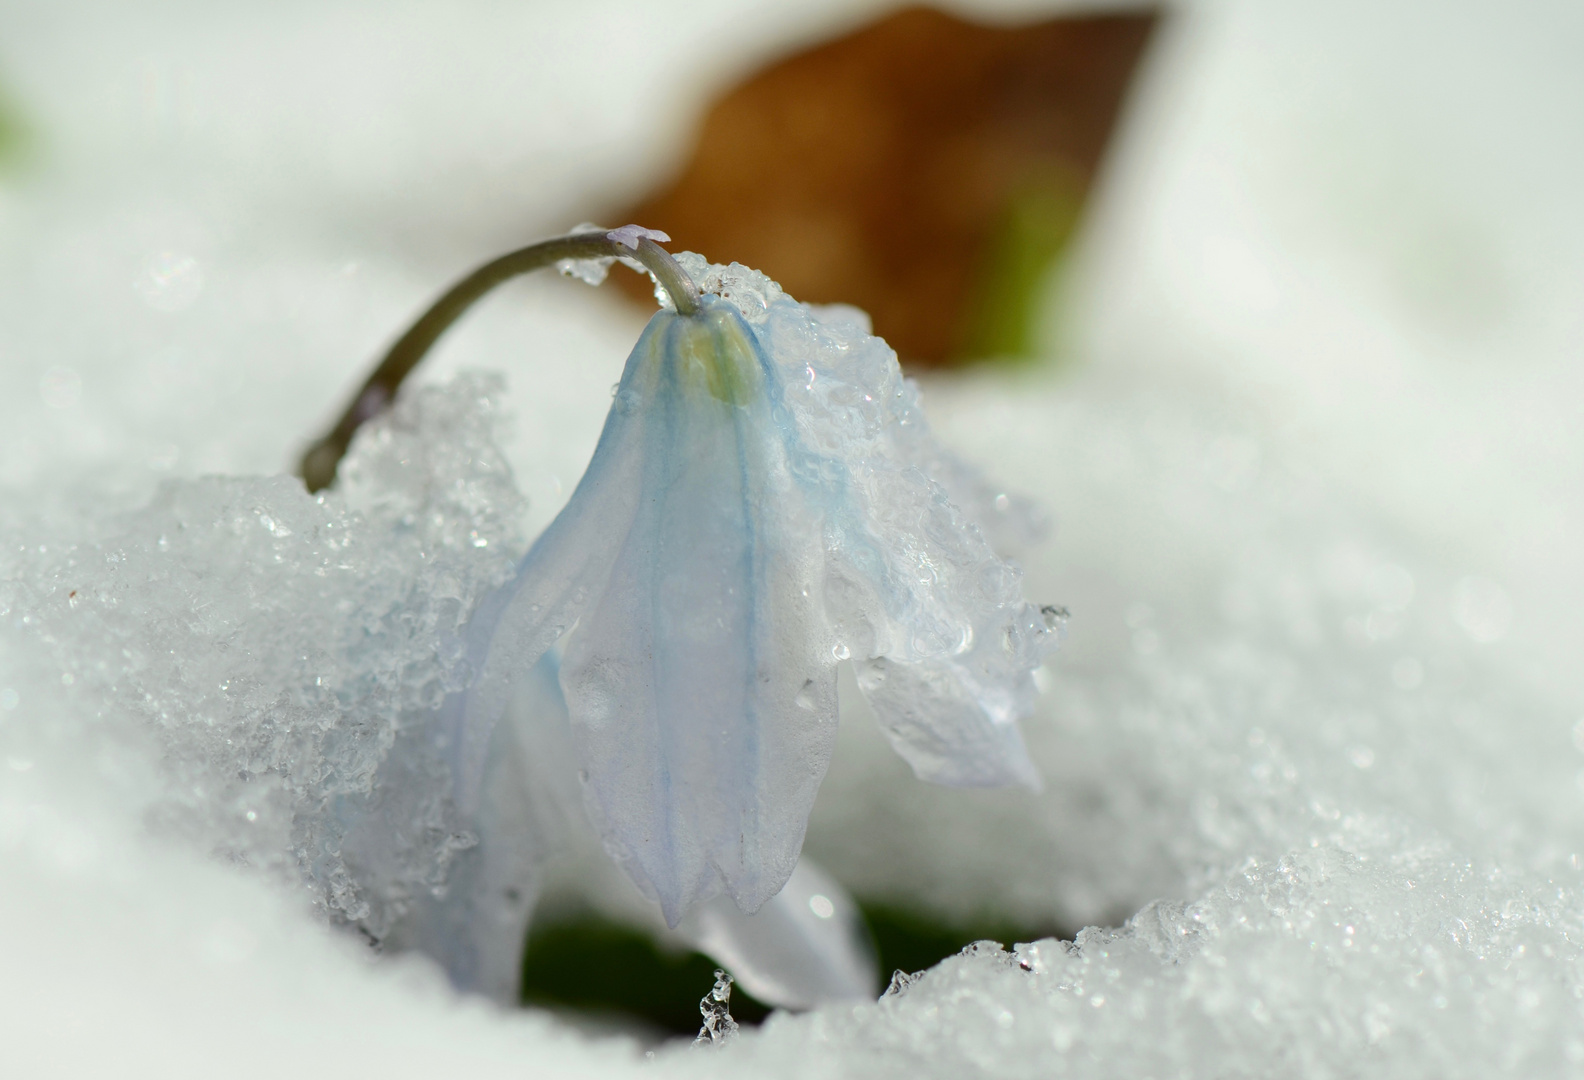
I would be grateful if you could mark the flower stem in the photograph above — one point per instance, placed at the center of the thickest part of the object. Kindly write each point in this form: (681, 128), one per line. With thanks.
(320, 461)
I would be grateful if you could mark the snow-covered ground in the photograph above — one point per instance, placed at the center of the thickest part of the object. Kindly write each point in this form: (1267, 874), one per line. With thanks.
(1312, 440)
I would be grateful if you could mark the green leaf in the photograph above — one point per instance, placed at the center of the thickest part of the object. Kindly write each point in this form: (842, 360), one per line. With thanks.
(1016, 269)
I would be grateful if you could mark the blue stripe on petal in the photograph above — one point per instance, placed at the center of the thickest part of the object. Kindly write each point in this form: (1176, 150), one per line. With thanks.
(704, 715)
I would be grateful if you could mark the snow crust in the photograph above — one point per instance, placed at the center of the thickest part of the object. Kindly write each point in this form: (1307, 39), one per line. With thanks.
(269, 649)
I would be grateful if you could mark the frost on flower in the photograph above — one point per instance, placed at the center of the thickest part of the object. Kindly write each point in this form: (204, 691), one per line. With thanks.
(766, 500)
(629, 235)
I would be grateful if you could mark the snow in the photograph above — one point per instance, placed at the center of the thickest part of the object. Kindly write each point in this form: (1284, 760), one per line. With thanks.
(629, 235)
(1312, 455)
(268, 648)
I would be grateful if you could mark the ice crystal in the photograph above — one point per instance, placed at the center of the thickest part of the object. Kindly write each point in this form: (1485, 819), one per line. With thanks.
(715, 1008)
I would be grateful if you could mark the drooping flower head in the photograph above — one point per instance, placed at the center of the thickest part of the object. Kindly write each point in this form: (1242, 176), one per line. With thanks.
(765, 502)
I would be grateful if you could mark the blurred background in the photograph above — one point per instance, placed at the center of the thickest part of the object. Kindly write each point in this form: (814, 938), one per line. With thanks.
(1359, 222)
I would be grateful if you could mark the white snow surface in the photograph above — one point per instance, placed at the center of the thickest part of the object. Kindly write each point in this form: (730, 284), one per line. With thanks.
(268, 648)
(1313, 747)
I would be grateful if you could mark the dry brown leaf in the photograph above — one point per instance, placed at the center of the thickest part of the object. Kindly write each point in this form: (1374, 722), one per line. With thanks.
(922, 168)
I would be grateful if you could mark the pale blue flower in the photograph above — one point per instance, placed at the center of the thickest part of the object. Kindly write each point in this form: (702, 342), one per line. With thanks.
(765, 502)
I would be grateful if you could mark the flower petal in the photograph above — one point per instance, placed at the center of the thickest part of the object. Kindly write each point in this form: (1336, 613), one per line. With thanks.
(564, 571)
(701, 683)
(808, 945)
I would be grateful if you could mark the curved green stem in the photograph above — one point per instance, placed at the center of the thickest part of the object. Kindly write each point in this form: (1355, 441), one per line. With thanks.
(323, 457)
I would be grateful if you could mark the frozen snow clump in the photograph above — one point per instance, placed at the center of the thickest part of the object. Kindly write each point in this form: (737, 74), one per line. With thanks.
(282, 656)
